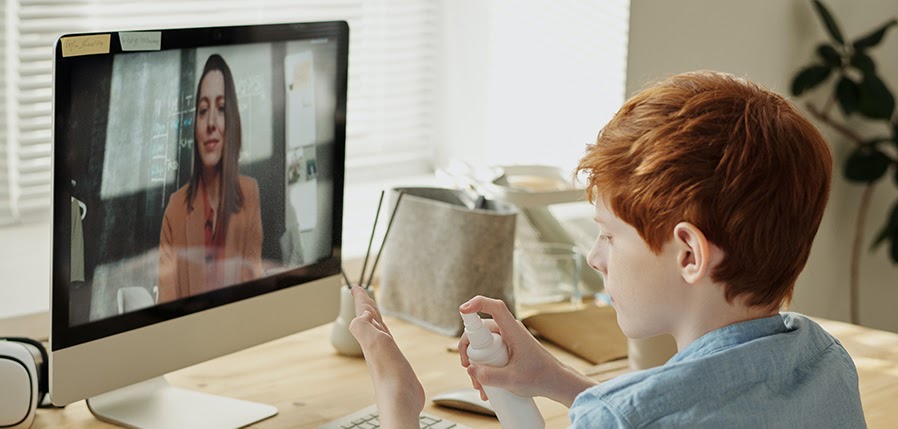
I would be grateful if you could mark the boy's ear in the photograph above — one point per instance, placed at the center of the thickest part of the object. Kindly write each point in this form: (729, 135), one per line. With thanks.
(693, 252)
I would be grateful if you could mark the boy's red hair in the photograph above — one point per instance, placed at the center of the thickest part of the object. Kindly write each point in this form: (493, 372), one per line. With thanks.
(732, 158)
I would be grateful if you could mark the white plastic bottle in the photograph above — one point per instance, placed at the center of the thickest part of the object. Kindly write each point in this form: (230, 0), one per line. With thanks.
(487, 348)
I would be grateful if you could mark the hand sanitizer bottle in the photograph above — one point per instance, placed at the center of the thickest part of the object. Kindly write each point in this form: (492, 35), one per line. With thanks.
(487, 348)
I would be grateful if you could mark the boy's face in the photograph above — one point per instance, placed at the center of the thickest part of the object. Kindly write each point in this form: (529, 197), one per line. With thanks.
(642, 284)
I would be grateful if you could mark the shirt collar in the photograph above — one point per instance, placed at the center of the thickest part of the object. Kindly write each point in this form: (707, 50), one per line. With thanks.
(730, 336)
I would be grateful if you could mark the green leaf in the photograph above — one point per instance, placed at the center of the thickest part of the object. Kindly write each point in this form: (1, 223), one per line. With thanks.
(874, 99)
(829, 55)
(848, 92)
(866, 164)
(874, 37)
(809, 77)
(888, 230)
(829, 22)
(863, 62)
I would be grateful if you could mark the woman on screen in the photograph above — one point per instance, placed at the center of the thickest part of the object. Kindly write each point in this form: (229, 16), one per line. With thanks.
(212, 230)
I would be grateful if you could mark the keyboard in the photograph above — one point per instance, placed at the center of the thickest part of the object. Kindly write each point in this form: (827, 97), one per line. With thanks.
(367, 418)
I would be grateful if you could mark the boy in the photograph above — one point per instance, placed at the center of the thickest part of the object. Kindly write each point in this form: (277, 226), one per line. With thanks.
(708, 193)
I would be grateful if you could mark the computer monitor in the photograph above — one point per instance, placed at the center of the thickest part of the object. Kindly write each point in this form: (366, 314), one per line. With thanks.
(197, 208)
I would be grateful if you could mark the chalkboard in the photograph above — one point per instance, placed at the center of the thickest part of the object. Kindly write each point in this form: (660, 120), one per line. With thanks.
(145, 119)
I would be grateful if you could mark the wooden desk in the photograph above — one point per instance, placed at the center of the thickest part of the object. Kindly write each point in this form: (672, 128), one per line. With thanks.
(310, 384)
(875, 354)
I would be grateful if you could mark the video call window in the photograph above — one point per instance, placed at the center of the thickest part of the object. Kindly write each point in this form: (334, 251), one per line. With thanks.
(195, 170)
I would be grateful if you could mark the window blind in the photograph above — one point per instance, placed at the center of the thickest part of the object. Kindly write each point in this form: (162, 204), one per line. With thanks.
(7, 181)
(389, 106)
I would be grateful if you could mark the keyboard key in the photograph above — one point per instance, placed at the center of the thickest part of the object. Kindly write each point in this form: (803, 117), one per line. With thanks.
(367, 418)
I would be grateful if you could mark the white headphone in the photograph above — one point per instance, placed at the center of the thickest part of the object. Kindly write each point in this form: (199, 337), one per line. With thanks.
(23, 381)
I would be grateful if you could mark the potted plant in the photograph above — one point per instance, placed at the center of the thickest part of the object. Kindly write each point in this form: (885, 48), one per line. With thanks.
(856, 87)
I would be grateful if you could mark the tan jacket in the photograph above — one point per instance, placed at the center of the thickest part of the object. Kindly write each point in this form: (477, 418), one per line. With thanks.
(182, 252)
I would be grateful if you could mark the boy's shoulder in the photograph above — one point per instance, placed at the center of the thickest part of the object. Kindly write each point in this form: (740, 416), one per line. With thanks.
(726, 373)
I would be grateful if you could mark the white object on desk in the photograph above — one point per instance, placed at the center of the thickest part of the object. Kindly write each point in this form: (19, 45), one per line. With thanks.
(156, 404)
(18, 386)
(466, 399)
(343, 340)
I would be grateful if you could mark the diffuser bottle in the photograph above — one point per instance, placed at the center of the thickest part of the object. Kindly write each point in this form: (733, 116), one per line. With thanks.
(487, 348)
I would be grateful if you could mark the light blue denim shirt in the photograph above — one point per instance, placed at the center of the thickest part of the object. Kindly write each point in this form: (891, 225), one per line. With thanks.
(780, 371)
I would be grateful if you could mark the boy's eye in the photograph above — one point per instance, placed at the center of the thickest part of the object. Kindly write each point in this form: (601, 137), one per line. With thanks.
(605, 237)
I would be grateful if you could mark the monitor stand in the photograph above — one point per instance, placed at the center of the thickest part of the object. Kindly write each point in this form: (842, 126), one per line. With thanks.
(156, 404)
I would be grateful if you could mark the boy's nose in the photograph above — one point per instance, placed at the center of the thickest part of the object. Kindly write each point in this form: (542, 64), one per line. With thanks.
(596, 259)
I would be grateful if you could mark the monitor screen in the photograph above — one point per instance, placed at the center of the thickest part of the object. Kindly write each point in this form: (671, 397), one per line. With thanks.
(193, 168)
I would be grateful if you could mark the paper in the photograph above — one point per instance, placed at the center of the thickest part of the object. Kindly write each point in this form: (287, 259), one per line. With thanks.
(591, 333)
(140, 40)
(85, 45)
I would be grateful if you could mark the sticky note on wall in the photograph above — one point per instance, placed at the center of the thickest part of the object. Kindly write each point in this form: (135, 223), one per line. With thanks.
(85, 45)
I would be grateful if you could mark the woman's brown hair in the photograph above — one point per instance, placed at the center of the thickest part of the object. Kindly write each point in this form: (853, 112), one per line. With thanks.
(231, 197)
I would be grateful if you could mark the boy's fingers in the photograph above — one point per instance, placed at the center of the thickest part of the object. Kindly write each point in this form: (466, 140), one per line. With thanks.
(363, 303)
(478, 388)
(463, 349)
(477, 385)
(360, 298)
(494, 307)
(484, 375)
(360, 327)
(380, 318)
(365, 307)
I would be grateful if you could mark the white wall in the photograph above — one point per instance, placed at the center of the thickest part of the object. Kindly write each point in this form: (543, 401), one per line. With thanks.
(24, 270)
(768, 41)
(528, 82)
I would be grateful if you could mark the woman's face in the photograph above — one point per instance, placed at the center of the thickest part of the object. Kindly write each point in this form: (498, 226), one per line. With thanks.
(210, 119)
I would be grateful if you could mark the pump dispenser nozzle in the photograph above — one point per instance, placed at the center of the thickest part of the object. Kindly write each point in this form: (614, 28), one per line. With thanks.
(477, 334)
(472, 320)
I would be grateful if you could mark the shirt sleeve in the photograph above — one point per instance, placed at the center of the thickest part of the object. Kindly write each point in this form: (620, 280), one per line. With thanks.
(588, 411)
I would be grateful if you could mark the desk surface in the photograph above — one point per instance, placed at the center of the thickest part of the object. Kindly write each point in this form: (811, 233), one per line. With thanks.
(310, 384)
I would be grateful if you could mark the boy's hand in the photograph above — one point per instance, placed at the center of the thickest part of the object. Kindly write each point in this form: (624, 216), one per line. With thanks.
(531, 369)
(398, 393)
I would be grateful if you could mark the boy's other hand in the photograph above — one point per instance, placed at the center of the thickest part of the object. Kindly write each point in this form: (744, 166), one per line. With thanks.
(531, 369)
(398, 392)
